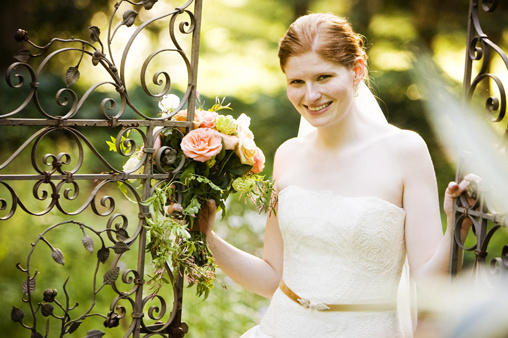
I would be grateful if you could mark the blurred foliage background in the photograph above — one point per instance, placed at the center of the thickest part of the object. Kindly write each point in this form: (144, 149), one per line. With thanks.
(238, 60)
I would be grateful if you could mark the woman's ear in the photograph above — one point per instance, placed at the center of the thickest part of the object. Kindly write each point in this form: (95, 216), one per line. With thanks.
(359, 69)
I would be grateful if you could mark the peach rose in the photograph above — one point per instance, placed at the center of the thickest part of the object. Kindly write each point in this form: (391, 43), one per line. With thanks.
(230, 141)
(259, 162)
(246, 150)
(208, 119)
(182, 116)
(201, 144)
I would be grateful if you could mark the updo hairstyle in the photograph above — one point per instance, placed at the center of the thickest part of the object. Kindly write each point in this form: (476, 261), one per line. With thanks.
(331, 37)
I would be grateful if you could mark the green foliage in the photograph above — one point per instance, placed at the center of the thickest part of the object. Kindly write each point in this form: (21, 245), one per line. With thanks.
(169, 241)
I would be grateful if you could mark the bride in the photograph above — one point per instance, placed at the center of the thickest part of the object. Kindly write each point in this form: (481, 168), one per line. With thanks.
(356, 196)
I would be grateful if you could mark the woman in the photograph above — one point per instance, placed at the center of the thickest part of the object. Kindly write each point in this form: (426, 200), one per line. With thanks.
(355, 196)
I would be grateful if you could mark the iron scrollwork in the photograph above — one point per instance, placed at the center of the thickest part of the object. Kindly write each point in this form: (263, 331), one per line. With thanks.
(475, 206)
(60, 186)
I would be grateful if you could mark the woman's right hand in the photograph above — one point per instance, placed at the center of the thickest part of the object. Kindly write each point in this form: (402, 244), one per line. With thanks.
(206, 218)
(453, 191)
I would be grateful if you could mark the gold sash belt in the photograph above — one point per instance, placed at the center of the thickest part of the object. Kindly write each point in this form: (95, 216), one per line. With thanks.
(335, 307)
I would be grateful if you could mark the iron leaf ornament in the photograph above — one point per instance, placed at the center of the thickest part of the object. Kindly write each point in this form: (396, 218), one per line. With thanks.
(94, 34)
(148, 4)
(129, 17)
(94, 334)
(87, 243)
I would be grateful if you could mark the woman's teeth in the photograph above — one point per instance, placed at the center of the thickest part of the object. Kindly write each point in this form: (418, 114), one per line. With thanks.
(319, 107)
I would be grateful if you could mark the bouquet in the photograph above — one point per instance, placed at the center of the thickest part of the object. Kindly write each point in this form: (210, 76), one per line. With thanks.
(216, 159)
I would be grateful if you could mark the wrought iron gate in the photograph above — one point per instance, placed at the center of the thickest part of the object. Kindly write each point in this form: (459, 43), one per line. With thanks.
(486, 218)
(75, 186)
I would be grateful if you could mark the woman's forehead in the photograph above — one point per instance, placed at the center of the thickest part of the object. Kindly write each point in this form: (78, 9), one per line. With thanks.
(309, 64)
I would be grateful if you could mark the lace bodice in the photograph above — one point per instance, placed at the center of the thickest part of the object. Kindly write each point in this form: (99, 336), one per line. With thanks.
(337, 250)
(341, 249)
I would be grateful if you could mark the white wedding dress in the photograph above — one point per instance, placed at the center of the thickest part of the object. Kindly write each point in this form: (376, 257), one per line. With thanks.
(337, 250)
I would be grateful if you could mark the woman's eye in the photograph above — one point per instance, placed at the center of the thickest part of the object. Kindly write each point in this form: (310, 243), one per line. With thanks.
(296, 82)
(324, 77)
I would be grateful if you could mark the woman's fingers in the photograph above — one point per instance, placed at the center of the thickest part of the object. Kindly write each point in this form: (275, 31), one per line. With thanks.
(212, 210)
(454, 189)
(206, 217)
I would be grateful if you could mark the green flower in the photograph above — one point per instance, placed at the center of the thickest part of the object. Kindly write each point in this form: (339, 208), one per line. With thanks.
(244, 184)
(226, 124)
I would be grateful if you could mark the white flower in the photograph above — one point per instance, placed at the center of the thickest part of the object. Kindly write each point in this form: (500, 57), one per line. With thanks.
(131, 164)
(169, 103)
(243, 122)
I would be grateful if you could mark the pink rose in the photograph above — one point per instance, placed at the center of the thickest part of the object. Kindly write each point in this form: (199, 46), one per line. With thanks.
(208, 119)
(259, 162)
(201, 144)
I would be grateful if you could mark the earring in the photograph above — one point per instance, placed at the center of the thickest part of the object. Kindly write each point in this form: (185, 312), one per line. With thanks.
(355, 91)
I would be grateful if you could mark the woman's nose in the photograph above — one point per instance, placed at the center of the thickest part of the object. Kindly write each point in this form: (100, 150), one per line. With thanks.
(312, 93)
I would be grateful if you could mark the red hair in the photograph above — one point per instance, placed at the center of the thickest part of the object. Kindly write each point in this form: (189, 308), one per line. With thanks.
(330, 36)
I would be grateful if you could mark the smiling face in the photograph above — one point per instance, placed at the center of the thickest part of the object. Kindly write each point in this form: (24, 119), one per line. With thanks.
(320, 90)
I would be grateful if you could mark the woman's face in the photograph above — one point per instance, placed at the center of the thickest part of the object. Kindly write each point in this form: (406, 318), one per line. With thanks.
(320, 90)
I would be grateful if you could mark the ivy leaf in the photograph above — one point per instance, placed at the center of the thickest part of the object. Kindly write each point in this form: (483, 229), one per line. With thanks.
(94, 33)
(58, 256)
(111, 275)
(103, 255)
(17, 315)
(72, 76)
(129, 17)
(23, 55)
(87, 243)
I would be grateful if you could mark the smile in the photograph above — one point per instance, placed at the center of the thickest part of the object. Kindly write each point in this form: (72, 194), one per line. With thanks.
(323, 106)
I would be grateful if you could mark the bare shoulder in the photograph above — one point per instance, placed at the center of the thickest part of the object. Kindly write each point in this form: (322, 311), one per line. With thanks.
(411, 154)
(288, 149)
(285, 156)
(406, 142)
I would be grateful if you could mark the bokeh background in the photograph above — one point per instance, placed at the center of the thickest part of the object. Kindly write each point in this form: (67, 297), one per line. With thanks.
(238, 61)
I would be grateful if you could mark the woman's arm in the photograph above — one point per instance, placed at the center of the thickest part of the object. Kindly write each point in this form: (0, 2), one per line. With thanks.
(428, 249)
(259, 275)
